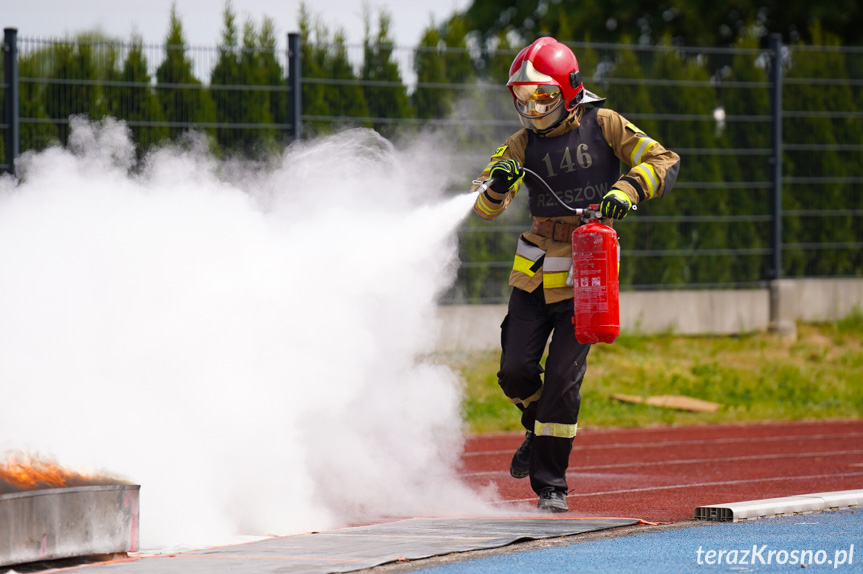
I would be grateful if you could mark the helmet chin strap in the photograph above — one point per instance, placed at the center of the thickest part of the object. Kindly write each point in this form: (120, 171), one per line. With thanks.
(549, 129)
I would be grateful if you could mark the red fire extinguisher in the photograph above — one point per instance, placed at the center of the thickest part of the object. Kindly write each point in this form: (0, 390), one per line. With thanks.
(595, 260)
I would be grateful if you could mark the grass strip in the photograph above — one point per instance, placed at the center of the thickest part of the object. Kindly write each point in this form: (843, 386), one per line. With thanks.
(756, 377)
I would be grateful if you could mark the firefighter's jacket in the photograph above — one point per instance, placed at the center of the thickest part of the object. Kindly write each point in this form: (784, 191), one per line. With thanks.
(580, 160)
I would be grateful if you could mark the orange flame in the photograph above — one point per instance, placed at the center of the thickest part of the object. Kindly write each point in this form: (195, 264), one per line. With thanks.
(22, 471)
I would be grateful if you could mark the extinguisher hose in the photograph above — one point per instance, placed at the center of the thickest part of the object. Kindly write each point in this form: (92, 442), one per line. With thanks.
(535, 178)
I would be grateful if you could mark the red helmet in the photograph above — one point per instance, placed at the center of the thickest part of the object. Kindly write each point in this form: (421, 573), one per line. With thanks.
(545, 84)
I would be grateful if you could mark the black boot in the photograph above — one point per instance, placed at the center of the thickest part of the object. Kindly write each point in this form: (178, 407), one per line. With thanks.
(520, 466)
(552, 500)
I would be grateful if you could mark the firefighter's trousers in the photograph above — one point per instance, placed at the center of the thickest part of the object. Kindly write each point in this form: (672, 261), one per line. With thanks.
(549, 408)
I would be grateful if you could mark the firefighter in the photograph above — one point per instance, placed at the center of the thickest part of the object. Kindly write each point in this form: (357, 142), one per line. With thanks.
(577, 146)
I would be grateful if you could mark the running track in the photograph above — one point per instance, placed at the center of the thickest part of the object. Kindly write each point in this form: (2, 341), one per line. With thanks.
(662, 474)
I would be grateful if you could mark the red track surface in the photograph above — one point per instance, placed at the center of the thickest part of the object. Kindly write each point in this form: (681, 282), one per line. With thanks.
(662, 474)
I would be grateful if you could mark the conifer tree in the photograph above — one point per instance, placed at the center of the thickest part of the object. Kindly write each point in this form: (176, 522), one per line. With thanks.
(459, 67)
(565, 31)
(743, 95)
(136, 101)
(493, 92)
(386, 94)
(461, 75)
(39, 134)
(345, 99)
(627, 94)
(313, 49)
(698, 101)
(184, 101)
(2, 115)
(239, 92)
(588, 64)
(332, 90)
(72, 60)
(807, 165)
(225, 82)
(254, 109)
(430, 68)
(445, 76)
(108, 68)
(273, 77)
(500, 59)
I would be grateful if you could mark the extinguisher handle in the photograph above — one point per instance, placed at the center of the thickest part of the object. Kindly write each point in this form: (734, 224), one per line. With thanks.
(591, 212)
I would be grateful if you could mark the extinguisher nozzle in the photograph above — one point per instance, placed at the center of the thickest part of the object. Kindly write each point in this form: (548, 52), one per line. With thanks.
(484, 185)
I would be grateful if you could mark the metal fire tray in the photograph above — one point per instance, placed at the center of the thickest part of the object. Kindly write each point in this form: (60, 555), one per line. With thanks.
(54, 523)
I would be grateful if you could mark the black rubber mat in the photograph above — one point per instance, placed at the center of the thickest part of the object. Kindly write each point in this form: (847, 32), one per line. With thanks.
(364, 546)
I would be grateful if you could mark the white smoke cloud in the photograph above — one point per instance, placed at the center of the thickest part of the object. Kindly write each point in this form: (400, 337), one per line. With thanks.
(241, 342)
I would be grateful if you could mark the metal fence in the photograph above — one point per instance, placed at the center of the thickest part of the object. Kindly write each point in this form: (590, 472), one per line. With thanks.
(770, 137)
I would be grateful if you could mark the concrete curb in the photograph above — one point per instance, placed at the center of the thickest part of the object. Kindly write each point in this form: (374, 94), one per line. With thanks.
(771, 507)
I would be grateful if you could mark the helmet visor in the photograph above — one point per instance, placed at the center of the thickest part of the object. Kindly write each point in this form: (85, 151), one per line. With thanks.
(536, 100)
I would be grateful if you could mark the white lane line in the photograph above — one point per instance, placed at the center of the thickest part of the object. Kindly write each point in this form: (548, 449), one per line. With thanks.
(576, 468)
(696, 485)
(662, 444)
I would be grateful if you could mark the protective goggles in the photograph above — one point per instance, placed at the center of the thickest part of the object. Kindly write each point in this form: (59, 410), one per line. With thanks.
(536, 100)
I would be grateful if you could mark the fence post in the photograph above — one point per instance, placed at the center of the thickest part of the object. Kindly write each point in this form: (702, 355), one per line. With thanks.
(295, 101)
(10, 47)
(776, 155)
(781, 292)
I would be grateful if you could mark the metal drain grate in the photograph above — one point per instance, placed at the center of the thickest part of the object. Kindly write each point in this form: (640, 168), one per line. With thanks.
(715, 513)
